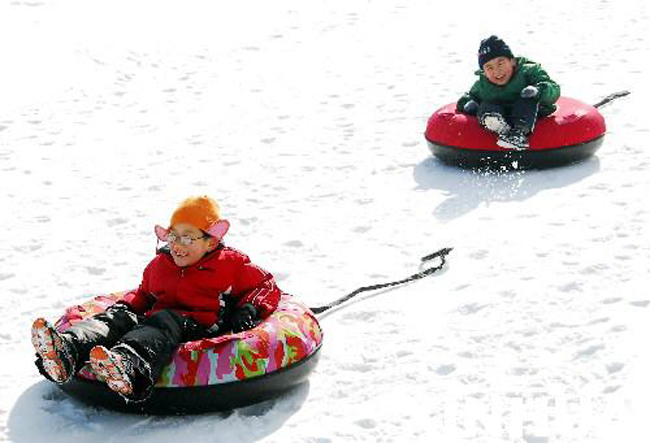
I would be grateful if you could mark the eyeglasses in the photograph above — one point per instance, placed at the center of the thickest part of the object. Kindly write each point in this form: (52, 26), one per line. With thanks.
(184, 240)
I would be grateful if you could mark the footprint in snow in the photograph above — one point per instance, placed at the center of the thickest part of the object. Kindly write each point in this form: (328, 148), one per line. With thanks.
(591, 350)
(472, 308)
(357, 367)
(480, 254)
(614, 367)
(599, 320)
(360, 316)
(116, 221)
(95, 271)
(366, 423)
(445, 369)
(570, 287)
(609, 301)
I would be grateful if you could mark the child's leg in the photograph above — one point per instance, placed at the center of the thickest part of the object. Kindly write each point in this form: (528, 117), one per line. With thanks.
(133, 365)
(61, 355)
(524, 115)
(492, 117)
(103, 329)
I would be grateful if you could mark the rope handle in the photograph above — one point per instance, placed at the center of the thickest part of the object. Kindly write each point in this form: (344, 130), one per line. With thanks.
(442, 254)
(611, 97)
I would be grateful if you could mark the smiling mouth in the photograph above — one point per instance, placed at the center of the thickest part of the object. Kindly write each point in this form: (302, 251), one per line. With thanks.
(179, 254)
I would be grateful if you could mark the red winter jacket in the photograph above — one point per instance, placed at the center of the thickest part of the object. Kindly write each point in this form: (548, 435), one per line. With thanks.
(198, 291)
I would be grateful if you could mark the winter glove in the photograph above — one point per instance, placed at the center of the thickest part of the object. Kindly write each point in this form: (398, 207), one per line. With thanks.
(530, 92)
(243, 318)
(119, 307)
(213, 330)
(470, 107)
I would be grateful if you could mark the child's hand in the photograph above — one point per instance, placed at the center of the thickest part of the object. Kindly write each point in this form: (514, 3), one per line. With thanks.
(530, 92)
(471, 107)
(243, 318)
(120, 307)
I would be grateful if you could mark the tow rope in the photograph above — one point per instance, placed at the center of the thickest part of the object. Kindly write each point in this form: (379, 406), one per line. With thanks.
(442, 254)
(611, 97)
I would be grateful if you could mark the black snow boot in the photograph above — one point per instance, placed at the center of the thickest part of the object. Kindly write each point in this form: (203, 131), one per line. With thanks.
(515, 139)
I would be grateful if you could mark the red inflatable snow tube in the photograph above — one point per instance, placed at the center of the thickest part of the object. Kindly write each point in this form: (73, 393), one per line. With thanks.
(573, 132)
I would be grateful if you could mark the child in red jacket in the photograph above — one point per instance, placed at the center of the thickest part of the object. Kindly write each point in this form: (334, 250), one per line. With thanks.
(194, 287)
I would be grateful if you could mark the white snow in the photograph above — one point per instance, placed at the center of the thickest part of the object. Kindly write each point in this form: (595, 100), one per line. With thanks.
(305, 120)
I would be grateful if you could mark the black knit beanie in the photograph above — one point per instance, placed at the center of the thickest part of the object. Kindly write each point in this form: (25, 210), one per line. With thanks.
(491, 48)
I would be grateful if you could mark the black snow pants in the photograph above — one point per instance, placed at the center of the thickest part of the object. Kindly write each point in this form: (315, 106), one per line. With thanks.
(522, 114)
(154, 339)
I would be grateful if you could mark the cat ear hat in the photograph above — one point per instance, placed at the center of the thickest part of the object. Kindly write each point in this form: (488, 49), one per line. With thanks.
(201, 212)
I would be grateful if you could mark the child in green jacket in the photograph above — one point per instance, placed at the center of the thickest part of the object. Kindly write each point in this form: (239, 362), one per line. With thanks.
(509, 95)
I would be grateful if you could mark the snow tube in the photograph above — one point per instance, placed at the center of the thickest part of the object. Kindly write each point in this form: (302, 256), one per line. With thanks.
(214, 374)
(573, 132)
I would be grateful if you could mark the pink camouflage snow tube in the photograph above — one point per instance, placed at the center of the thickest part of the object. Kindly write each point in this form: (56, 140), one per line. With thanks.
(287, 336)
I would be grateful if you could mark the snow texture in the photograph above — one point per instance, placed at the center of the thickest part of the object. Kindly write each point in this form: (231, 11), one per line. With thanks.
(305, 120)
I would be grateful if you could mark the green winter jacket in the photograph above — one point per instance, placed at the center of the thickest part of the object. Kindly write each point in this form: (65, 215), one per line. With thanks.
(526, 73)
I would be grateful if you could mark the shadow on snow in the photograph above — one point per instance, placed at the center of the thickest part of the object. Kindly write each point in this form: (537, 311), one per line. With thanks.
(467, 189)
(45, 413)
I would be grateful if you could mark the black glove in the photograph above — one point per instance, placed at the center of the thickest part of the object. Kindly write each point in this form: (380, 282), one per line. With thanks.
(470, 107)
(530, 92)
(243, 318)
(119, 306)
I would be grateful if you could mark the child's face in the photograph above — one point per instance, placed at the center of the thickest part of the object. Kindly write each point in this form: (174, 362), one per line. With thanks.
(186, 255)
(500, 70)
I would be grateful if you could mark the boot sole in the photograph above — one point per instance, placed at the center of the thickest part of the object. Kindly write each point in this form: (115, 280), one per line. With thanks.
(499, 127)
(110, 367)
(47, 344)
(504, 144)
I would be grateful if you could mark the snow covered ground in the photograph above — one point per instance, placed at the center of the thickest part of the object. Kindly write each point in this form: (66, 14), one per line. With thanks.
(305, 120)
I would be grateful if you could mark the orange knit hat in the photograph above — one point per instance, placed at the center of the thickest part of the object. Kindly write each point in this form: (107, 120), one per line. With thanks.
(201, 212)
